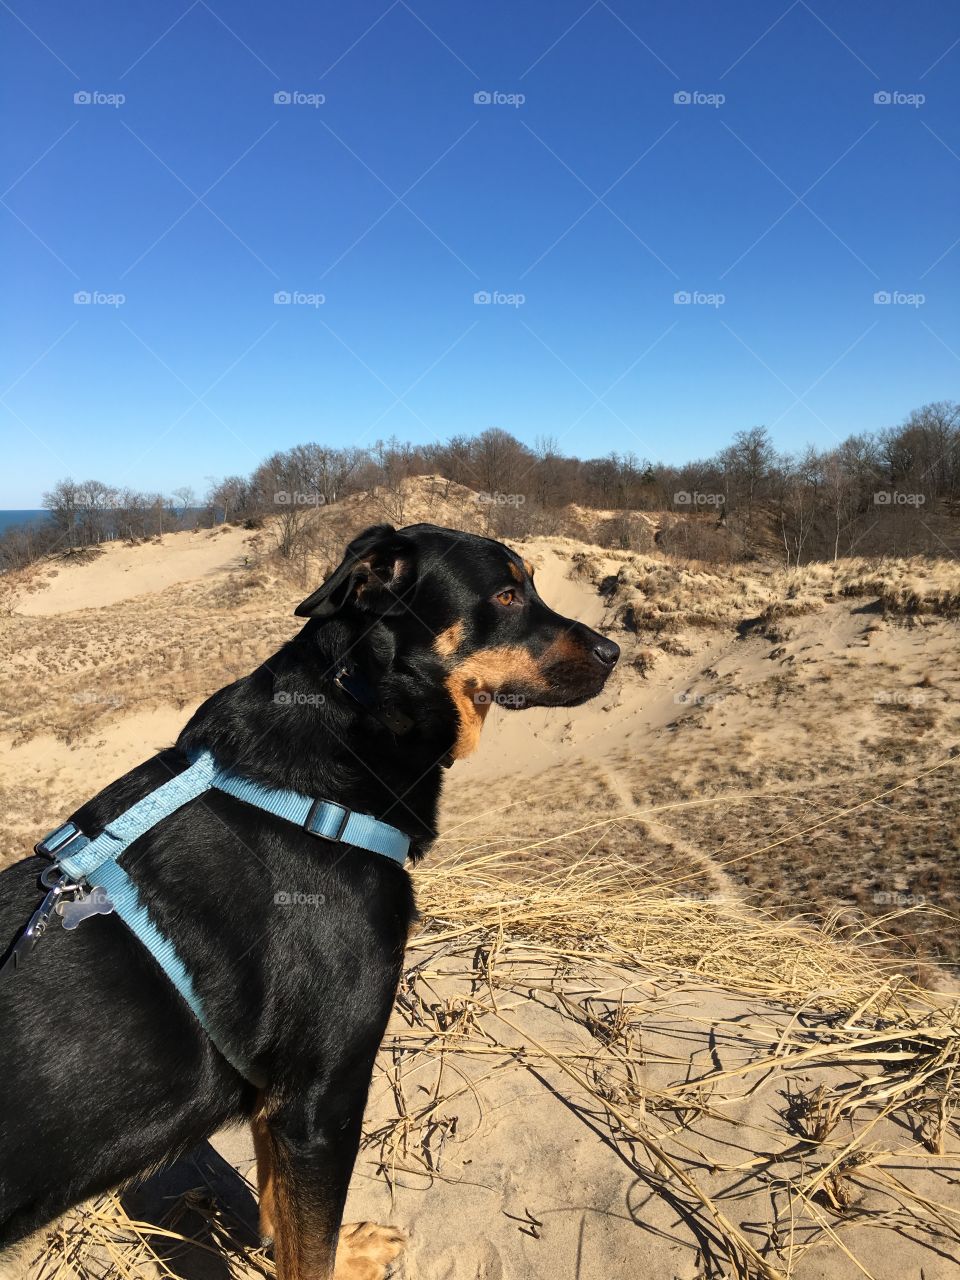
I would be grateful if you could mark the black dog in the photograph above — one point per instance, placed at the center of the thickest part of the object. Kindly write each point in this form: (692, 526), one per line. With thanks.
(105, 1071)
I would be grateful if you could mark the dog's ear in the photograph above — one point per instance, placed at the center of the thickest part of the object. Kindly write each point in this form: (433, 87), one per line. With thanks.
(378, 567)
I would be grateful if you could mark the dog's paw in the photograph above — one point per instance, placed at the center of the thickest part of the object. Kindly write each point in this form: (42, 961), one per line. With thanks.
(366, 1250)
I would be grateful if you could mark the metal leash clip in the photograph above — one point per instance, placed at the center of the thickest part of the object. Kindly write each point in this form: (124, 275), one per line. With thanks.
(56, 883)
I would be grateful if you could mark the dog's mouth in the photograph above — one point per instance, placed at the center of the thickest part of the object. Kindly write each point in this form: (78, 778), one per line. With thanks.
(575, 669)
(567, 673)
(563, 684)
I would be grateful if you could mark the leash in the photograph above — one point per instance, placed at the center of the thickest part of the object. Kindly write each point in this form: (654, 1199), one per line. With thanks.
(87, 880)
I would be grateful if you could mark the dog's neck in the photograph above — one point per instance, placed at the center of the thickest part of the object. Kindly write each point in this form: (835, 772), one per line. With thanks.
(291, 724)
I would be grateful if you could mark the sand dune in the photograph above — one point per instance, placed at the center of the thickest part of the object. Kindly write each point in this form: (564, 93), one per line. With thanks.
(642, 998)
(123, 572)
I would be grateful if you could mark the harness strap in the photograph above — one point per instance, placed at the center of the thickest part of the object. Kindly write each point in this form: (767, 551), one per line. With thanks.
(319, 817)
(136, 821)
(127, 905)
(95, 861)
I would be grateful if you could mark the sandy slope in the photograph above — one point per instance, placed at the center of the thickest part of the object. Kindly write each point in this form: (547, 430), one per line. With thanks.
(122, 572)
(499, 1163)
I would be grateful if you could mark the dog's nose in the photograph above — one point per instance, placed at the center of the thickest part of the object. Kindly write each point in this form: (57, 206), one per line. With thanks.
(606, 651)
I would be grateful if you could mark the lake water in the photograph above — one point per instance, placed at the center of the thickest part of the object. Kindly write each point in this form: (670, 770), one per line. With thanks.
(8, 518)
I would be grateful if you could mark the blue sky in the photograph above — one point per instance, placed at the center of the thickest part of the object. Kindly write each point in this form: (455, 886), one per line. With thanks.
(783, 188)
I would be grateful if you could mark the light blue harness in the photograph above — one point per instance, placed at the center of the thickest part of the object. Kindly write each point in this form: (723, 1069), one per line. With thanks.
(94, 861)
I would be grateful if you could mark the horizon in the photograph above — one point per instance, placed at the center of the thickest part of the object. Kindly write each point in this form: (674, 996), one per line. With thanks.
(782, 211)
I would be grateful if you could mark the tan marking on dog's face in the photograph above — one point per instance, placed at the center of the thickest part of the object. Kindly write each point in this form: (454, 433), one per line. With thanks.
(449, 641)
(529, 568)
(473, 683)
(564, 649)
(515, 573)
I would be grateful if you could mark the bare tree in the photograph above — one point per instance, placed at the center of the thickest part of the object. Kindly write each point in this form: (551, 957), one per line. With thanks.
(183, 501)
(749, 463)
(63, 502)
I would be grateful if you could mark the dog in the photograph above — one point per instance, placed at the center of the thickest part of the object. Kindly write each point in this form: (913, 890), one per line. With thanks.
(106, 1073)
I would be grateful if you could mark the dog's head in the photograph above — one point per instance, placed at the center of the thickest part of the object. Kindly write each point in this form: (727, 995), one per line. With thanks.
(469, 605)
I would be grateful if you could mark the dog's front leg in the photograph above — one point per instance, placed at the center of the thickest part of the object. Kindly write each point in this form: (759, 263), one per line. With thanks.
(307, 1186)
(303, 1170)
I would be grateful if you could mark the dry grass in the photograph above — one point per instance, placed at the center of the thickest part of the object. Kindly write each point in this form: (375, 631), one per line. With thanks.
(777, 869)
(858, 1070)
(600, 909)
(101, 1241)
(655, 594)
(69, 673)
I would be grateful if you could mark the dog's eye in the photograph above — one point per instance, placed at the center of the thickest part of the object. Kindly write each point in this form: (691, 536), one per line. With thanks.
(506, 597)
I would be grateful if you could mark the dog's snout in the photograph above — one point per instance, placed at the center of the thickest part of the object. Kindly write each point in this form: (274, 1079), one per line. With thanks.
(606, 651)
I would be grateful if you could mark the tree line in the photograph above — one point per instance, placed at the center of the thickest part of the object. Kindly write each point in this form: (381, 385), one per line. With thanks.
(892, 491)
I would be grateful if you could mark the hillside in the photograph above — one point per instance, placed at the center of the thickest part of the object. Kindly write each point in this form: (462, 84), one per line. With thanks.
(763, 701)
(684, 988)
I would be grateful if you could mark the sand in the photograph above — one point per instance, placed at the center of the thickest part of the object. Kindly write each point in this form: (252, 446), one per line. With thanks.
(123, 572)
(482, 1137)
